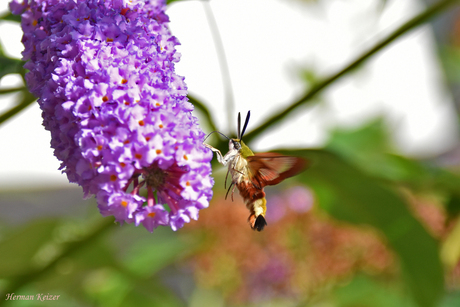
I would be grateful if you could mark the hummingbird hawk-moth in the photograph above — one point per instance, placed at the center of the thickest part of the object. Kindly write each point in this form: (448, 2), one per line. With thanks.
(250, 173)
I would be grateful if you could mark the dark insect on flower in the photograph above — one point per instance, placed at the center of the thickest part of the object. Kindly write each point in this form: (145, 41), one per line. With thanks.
(118, 114)
(251, 172)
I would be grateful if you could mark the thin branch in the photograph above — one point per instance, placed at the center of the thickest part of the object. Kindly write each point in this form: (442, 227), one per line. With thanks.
(11, 90)
(411, 24)
(27, 100)
(220, 50)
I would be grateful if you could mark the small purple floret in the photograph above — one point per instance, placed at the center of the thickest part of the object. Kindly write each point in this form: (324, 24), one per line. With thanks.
(119, 116)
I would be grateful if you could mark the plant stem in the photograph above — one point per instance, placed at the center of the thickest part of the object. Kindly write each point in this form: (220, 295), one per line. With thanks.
(11, 90)
(225, 72)
(27, 100)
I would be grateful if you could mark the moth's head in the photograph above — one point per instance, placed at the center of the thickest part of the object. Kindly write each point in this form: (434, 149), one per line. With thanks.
(234, 144)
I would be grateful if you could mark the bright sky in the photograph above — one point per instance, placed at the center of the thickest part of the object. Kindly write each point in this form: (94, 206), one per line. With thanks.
(267, 43)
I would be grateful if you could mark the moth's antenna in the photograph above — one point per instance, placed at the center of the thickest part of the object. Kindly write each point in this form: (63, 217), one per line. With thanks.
(245, 124)
(239, 126)
(217, 132)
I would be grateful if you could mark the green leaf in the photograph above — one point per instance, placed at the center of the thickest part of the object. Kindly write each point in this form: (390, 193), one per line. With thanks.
(309, 75)
(450, 251)
(368, 147)
(350, 195)
(368, 139)
(11, 17)
(453, 206)
(365, 291)
(206, 297)
(94, 254)
(171, 1)
(10, 66)
(20, 248)
(451, 300)
(204, 110)
(107, 287)
(153, 294)
(365, 146)
(148, 255)
(450, 58)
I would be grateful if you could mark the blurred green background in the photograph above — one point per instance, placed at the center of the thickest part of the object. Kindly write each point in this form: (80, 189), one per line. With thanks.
(363, 226)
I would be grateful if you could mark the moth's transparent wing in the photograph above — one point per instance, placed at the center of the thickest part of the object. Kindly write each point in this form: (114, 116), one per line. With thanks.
(271, 168)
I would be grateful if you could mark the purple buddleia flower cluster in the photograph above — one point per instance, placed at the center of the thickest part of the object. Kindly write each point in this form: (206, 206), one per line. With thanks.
(118, 114)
